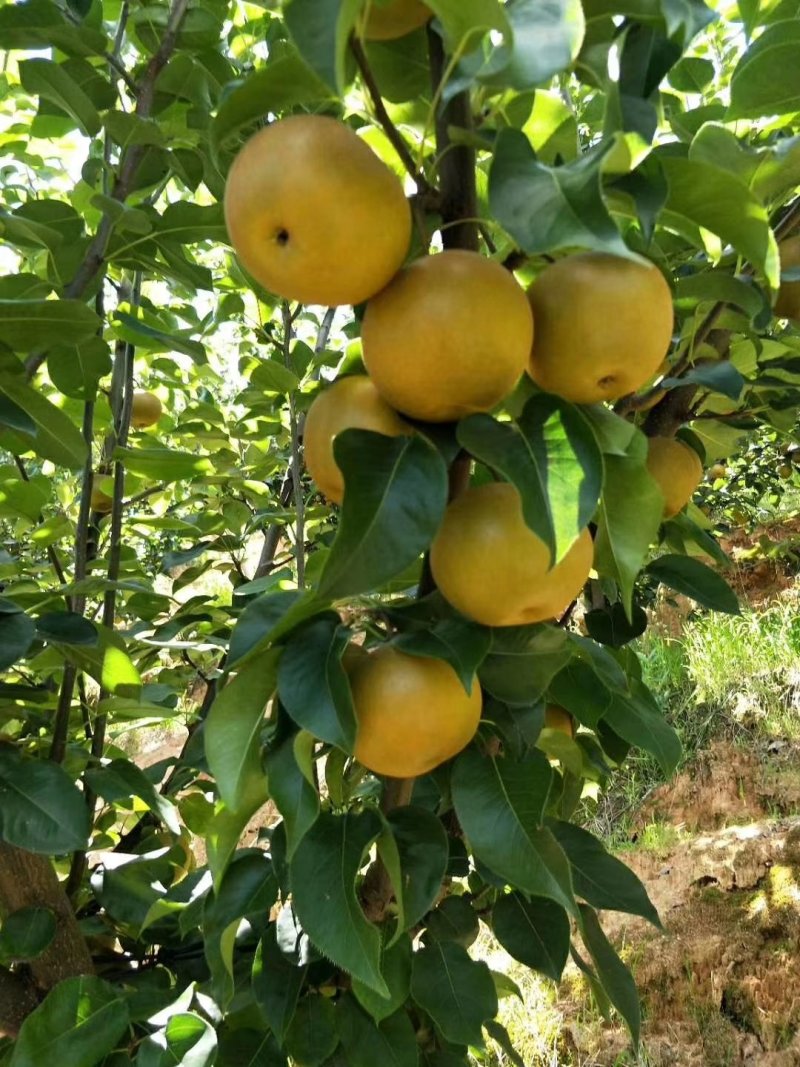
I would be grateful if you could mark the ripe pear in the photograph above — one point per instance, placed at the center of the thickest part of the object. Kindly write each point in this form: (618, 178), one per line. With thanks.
(603, 325)
(449, 336)
(556, 718)
(386, 21)
(146, 409)
(314, 214)
(677, 469)
(493, 568)
(787, 306)
(350, 403)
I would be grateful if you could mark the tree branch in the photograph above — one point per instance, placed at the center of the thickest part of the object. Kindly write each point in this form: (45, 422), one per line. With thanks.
(17, 1000)
(295, 471)
(382, 115)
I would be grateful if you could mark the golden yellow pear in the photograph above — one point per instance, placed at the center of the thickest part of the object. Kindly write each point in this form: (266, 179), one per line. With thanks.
(787, 306)
(449, 336)
(556, 718)
(677, 469)
(603, 326)
(146, 409)
(100, 501)
(494, 569)
(412, 712)
(396, 18)
(350, 403)
(314, 214)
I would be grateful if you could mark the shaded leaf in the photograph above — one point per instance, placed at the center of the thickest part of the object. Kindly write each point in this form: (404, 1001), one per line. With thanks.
(536, 932)
(696, 580)
(457, 992)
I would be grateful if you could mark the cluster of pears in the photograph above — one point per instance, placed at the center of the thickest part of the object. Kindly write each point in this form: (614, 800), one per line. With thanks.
(315, 216)
(146, 410)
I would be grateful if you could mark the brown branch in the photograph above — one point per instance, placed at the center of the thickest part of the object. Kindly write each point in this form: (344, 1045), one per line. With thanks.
(296, 473)
(382, 115)
(132, 157)
(18, 998)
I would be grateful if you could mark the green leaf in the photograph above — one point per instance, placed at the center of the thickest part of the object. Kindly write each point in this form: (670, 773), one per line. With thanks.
(292, 787)
(273, 377)
(522, 662)
(41, 808)
(14, 418)
(120, 779)
(717, 286)
(631, 510)
(141, 334)
(285, 82)
(66, 627)
(26, 933)
(500, 805)
(313, 685)
(422, 859)
(77, 1024)
(38, 24)
(188, 223)
(610, 625)
(17, 633)
(76, 370)
(392, 1042)
(454, 919)
(694, 579)
(466, 22)
(459, 642)
(266, 619)
(321, 30)
(392, 509)
(552, 457)
(248, 888)
(396, 971)
(547, 38)
(601, 879)
(720, 377)
(638, 720)
(691, 75)
(312, 1035)
(233, 728)
(457, 992)
(276, 984)
(720, 202)
(26, 325)
(536, 932)
(766, 80)
(164, 464)
(614, 976)
(323, 873)
(186, 1041)
(56, 437)
(547, 208)
(50, 81)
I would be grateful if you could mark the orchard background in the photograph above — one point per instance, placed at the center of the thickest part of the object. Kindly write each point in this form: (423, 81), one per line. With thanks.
(208, 583)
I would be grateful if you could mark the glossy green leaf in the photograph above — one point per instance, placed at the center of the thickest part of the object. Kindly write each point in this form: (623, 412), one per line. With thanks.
(614, 976)
(233, 728)
(610, 625)
(143, 335)
(312, 1035)
(630, 513)
(120, 779)
(285, 81)
(692, 74)
(27, 325)
(721, 203)
(396, 970)
(366, 1043)
(17, 633)
(422, 858)
(78, 1023)
(292, 787)
(694, 579)
(720, 377)
(522, 662)
(459, 642)
(51, 81)
(312, 683)
(547, 38)
(66, 627)
(323, 873)
(536, 932)
(14, 418)
(457, 992)
(601, 879)
(453, 919)
(76, 370)
(41, 808)
(766, 80)
(321, 30)
(26, 933)
(392, 509)
(56, 438)
(547, 208)
(552, 457)
(500, 805)
(186, 1041)
(638, 720)
(276, 984)
(164, 464)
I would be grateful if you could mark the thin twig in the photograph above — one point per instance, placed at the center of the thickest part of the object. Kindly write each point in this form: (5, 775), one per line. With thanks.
(382, 115)
(296, 473)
